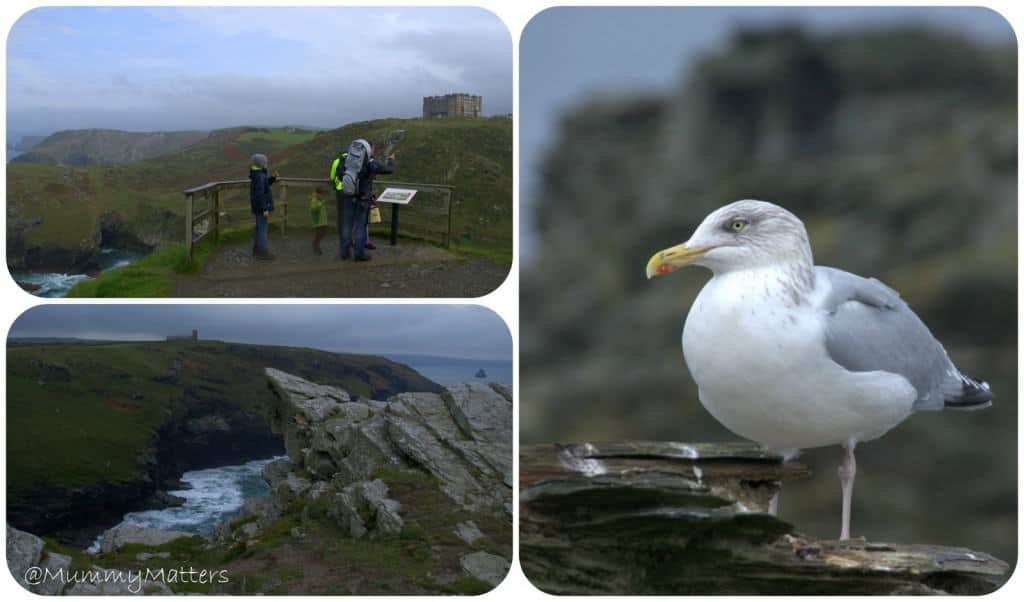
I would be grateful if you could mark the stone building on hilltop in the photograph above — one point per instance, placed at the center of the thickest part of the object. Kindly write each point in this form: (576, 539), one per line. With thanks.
(193, 337)
(452, 105)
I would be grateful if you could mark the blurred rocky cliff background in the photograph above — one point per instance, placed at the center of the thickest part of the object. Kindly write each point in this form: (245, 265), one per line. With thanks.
(897, 147)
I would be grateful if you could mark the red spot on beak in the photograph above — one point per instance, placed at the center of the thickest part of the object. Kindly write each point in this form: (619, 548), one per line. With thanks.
(664, 268)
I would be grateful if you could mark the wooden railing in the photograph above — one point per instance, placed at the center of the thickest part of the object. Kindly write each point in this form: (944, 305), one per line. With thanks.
(206, 207)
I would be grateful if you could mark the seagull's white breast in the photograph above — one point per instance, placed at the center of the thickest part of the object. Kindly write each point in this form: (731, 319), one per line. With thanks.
(758, 357)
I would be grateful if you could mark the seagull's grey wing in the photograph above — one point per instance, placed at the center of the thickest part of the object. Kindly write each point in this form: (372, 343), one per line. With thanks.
(869, 327)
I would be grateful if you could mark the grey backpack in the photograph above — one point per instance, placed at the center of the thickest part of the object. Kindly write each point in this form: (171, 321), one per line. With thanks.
(355, 164)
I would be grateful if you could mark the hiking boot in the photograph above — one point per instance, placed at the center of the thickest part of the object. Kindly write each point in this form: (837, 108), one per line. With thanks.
(363, 258)
(370, 246)
(344, 257)
(267, 256)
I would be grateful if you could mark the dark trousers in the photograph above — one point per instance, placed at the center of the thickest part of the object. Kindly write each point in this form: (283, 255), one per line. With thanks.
(259, 240)
(318, 234)
(352, 211)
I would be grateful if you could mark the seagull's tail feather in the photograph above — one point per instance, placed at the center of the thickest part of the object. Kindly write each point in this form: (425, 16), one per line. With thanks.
(973, 395)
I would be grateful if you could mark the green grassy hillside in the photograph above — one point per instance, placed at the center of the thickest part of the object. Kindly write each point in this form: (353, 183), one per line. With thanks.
(473, 155)
(83, 414)
(107, 147)
(59, 216)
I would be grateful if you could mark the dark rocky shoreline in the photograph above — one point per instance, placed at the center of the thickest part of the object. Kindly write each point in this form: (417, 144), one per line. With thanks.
(76, 519)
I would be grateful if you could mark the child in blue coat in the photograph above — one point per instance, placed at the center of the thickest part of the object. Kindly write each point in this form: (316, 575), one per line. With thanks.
(261, 201)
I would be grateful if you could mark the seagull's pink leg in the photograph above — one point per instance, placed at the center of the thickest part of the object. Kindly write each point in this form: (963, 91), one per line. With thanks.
(847, 472)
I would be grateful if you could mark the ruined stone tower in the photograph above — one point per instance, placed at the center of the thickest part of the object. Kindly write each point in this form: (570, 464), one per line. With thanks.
(452, 105)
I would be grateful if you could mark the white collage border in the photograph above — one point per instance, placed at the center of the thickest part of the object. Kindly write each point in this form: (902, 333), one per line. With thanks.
(505, 300)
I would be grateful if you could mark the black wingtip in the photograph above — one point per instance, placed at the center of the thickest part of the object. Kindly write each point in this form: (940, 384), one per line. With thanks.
(974, 395)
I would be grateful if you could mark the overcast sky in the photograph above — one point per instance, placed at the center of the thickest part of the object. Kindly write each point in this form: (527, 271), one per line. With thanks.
(570, 54)
(146, 69)
(464, 331)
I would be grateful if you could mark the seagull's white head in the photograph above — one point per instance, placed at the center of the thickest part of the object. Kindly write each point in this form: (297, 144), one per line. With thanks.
(739, 236)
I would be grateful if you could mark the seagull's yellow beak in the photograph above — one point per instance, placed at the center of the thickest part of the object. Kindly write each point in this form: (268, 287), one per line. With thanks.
(671, 259)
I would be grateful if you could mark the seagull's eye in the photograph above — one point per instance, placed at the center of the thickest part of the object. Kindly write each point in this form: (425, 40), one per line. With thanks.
(736, 225)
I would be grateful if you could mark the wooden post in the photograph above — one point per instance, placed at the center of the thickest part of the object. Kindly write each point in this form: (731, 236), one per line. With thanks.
(216, 214)
(284, 210)
(188, 227)
(448, 234)
(394, 223)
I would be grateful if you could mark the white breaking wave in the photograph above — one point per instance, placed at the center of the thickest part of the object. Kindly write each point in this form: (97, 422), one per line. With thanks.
(57, 285)
(216, 494)
(51, 285)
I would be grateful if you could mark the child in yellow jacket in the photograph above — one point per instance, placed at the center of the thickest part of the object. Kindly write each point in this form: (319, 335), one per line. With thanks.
(318, 211)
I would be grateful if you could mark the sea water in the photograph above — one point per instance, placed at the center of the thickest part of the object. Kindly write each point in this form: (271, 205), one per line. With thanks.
(215, 495)
(451, 371)
(57, 285)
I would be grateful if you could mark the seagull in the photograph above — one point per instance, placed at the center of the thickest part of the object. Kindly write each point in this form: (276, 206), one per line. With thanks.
(796, 356)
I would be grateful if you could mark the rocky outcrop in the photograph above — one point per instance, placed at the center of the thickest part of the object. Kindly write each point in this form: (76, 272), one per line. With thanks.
(363, 507)
(47, 573)
(29, 565)
(339, 448)
(462, 436)
(127, 533)
(485, 567)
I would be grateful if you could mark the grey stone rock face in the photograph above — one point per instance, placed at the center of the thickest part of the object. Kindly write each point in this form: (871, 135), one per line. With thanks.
(52, 564)
(485, 567)
(23, 551)
(54, 577)
(484, 413)
(283, 481)
(301, 404)
(468, 532)
(266, 509)
(353, 445)
(363, 508)
(472, 472)
(126, 533)
(276, 471)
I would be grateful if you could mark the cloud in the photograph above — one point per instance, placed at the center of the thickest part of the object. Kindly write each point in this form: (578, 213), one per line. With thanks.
(205, 68)
(466, 331)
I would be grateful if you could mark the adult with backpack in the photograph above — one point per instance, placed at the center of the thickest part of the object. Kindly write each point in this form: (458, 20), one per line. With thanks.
(353, 172)
(261, 201)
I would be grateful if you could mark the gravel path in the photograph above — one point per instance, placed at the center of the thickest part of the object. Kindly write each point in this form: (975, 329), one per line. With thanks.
(406, 270)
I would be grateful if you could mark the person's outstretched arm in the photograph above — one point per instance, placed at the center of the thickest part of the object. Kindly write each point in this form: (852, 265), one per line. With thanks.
(377, 167)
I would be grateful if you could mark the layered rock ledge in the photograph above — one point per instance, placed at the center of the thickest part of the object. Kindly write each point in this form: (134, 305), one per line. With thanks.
(672, 518)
